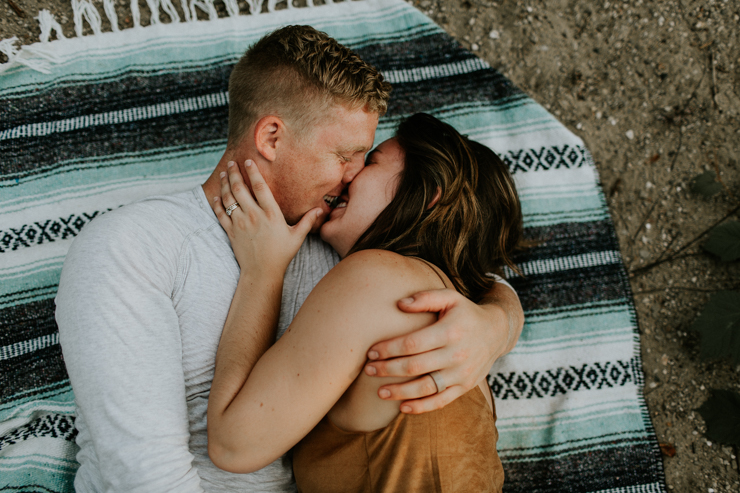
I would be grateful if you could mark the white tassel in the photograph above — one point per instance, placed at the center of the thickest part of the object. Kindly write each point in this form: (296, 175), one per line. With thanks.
(271, 5)
(46, 24)
(15, 56)
(110, 11)
(84, 10)
(232, 7)
(205, 6)
(135, 13)
(255, 6)
(309, 3)
(186, 10)
(7, 47)
(290, 4)
(166, 6)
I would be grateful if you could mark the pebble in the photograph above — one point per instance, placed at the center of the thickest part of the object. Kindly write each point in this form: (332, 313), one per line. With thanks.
(471, 21)
(474, 47)
(630, 134)
(494, 34)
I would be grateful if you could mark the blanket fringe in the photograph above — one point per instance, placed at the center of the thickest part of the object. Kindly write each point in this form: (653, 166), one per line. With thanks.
(85, 11)
(47, 22)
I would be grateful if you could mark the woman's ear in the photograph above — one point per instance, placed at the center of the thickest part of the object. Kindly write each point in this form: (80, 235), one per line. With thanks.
(435, 199)
(267, 133)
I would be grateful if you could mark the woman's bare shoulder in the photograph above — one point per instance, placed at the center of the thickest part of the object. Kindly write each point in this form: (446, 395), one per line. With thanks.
(386, 273)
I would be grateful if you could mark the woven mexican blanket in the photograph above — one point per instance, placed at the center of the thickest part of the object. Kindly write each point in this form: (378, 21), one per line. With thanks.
(94, 122)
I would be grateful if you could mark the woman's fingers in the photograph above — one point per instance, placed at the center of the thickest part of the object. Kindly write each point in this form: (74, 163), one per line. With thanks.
(227, 197)
(261, 190)
(225, 220)
(306, 223)
(237, 188)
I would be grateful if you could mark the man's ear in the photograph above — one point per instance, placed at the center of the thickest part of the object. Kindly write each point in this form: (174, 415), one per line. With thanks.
(436, 197)
(268, 132)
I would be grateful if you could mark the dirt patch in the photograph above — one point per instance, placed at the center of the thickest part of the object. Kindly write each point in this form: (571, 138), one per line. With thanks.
(653, 88)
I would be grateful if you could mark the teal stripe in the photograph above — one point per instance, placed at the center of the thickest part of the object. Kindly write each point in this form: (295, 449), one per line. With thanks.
(560, 451)
(40, 476)
(576, 322)
(90, 176)
(559, 428)
(58, 399)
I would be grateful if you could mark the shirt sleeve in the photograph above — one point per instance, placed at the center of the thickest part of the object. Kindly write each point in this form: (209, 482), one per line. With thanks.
(501, 280)
(121, 343)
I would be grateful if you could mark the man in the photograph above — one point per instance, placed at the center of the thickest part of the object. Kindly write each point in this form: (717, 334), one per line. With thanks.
(145, 289)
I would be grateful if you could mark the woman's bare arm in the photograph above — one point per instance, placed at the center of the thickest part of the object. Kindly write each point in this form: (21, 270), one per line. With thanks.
(254, 417)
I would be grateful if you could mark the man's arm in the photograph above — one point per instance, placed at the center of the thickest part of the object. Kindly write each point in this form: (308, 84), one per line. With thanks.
(121, 343)
(463, 345)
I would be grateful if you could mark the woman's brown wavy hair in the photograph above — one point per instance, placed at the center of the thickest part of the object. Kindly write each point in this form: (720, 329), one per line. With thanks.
(475, 225)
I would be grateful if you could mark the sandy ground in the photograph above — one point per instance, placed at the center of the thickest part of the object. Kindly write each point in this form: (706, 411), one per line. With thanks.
(653, 88)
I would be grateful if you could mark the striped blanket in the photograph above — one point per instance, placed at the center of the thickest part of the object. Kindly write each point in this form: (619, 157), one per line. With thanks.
(90, 123)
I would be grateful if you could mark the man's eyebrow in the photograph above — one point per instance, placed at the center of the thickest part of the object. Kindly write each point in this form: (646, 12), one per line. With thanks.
(352, 150)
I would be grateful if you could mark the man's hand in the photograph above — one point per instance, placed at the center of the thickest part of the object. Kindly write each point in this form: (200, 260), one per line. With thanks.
(462, 345)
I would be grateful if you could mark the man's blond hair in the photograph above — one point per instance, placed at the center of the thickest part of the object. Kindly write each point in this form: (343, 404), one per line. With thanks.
(297, 73)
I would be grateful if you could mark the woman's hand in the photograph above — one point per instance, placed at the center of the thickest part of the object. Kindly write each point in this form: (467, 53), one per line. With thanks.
(261, 239)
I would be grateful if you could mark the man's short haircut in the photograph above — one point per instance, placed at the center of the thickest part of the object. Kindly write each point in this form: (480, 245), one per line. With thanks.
(297, 73)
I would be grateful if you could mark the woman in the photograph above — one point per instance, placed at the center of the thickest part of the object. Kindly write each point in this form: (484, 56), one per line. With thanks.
(431, 209)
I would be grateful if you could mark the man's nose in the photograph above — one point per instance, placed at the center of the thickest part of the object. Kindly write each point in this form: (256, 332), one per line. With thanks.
(352, 169)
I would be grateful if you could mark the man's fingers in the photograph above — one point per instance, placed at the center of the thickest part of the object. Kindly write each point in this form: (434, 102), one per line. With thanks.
(410, 366)
(413, 389)
(419, 341)
(437, 300)
(433, 402)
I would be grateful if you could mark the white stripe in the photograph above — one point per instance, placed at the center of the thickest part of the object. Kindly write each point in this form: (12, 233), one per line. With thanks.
(434, 72)
(25, 347)
(546, 266)
(119, 116)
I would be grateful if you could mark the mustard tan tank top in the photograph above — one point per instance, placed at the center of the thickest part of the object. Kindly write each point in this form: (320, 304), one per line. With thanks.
(452, 449)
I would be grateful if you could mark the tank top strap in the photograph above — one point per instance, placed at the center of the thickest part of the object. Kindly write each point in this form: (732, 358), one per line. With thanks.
(436, 270)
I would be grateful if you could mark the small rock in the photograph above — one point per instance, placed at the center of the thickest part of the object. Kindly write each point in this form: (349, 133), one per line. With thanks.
(645, 253)
(630, 134)
(471, 21)
(668, 449)
(529, 9)
(598, 115)
(579, 126)
(494, 34)
(613, 121)
(426, 4)
(474, 47)
(664, 359)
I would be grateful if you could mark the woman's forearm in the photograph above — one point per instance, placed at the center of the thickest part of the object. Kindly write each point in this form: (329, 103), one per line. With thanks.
(249, 332)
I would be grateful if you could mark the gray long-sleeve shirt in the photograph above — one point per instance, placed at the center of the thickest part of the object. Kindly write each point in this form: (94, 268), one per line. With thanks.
(142, 301)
